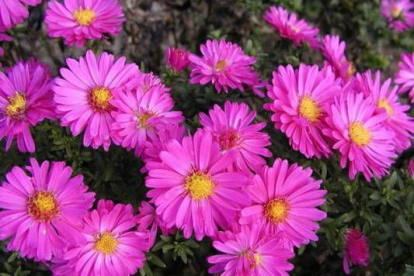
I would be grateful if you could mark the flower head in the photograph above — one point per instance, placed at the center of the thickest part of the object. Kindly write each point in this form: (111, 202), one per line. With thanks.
(225, 65)
(81, 20)
(405, 76)
(358, 133)
(356, 249)
(83, 95)
(232, 128)
(192, 189)
(250, 252)
(300, 99)
(114, 247)
(177, 59)
(398, 14)
(41, 209)
(289, 27)
(26, 99)
(14, 12)
(333, 50)
(285, 199)
(139, 116)
(386, 99)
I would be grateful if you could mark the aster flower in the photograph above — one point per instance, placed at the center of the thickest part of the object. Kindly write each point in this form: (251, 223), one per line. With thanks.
(139, 116)
(398, 13)
(14, 12)
(232, 128)
(386, 99)
(358, 133)
(26, 99)
(289, 27)
(4, 37)
(225, 65)
(114, 247)
(356, 249)
(192, 189)
(250, 252)
(405, 76)
(300, 99)
(141, 83)
(79, 20)
(42, 208)
(177, 59)
(333, 50)
(83, 95)
(285, 199)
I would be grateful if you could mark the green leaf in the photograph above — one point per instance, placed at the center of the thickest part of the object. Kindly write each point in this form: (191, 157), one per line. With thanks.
(155, 260)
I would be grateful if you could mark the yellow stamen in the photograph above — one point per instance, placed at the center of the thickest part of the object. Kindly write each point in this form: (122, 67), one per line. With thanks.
(43, 206)
(359, 134)
(106, 243)
(199, 185)
(16, 106)
(351, 70)
(277, 210)
(84, 17)
(384, 104)
(143, 118)
(294, 28)
(309, 109)
(220, 65)
(396, 11)
(100, 97)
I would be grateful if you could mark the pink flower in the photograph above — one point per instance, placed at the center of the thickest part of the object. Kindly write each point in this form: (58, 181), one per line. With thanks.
(225, 65)
(192, 189)
(138, 116)
(291, 28)
(386, 99)
(300, 100)
(42, 209)
(250, 252)
(147, 219)
(406, 74)
(79, 20)
(113, 248)
(285, 199)
(177, 59)
(356, 249)
(334, 52)
(26, 99)
(359, 134)
(4, 37)
(14, 12)
(232, 128)
(398, 13)
(144, 82)
(83, 95)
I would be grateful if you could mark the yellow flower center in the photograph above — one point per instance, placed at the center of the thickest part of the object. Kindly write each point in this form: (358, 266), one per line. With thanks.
(294, 28)
(229, 139)
(199, 185)
(220, 65)
(143, 118)
(309, 109)
(384, 104)
(100, 97)
(277, 210)
(43, 206)
(359, 134)
(16, 106)
(396, 11)
(84, 17)
(106, 243)
(351, 70)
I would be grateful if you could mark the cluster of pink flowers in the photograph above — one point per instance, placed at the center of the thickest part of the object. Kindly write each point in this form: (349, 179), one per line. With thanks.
(398, 13)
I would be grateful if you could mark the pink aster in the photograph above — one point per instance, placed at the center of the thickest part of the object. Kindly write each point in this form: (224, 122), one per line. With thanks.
(386, 99)
(113, 246)
(192, 189)
(398, 13)
(300, 100)
(79, 20)
(356, 249)
(358, 132)
(292, 28)
(285, 199)
(83, 95)
(41, 209)
(138, 116)
(177, 59)
(333, 50)
(14, 12)
(225, 65)
(405, 76)
(250, 252)
(26, 99)
(232, 128)
(144, 82)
